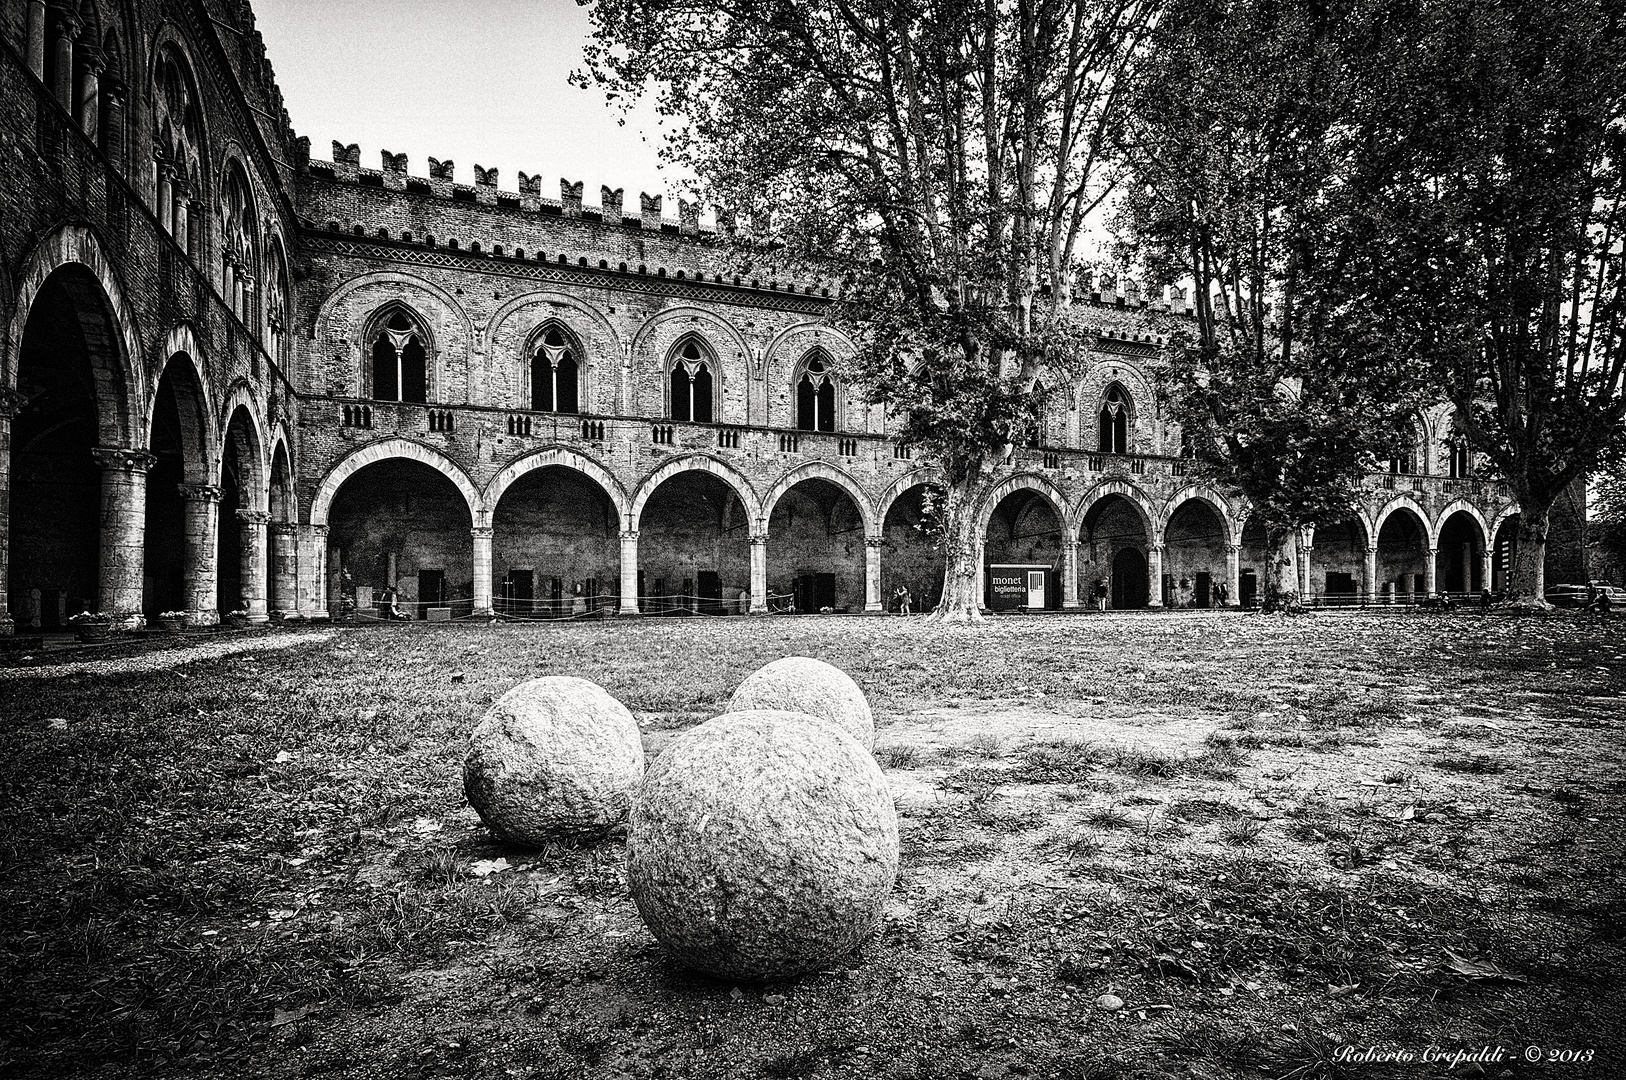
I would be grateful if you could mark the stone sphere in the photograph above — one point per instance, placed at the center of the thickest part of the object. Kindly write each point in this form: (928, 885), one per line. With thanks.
(762, 845)
(805, 685)
(553, 758)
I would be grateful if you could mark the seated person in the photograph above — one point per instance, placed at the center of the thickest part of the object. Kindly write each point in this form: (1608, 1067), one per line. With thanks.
(394, 611)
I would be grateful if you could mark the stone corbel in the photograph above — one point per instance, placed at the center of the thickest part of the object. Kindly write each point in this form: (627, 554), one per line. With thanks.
(204, 493)
(253, 517)
(122, 457)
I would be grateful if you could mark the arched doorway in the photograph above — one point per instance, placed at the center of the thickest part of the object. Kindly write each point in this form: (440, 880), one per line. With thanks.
(1113, 525)
(241, 562)
(179, 477)
(1402, 560)
(1253, 562)
(1340, 563)
(816, 545)
(1460, 555)
(71, 398)
(401, 525)
(912, 554)
(282, 569)
(1023, 537)
(694, 549)
(555, 546)
(1195, 555)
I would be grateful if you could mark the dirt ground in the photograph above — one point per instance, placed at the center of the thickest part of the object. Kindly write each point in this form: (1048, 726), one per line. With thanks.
(1283, 844)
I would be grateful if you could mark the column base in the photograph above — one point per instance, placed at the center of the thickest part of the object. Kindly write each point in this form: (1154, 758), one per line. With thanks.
(1156, 604)
(759, 611)
(8, 626)
(129, 620)
(321, 615)
(484, 613)
(257, 618)
(1074, 606)
(211, 617)
(628, 611)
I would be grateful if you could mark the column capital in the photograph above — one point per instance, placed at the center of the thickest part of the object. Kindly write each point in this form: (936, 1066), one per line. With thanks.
(317, 530)
(285, 528)
(483, 532)
(1234, 549)
(114, 90)
(11, 402)
(123, 457)
(1371, 549)
(1159, 548)
(875, 542)
(629, 534)
(762, 538)
(69, 26)
(253, 517)
(95, 63)
(204, 493)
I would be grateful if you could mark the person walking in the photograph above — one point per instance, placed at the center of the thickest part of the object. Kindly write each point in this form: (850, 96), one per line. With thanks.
(1101, 594)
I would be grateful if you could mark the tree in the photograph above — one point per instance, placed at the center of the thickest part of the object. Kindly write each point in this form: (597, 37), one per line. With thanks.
(1503, 123)
(950, 150)
(1238, 136)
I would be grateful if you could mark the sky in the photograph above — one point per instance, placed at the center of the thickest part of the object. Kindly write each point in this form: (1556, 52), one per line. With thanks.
(482, 83)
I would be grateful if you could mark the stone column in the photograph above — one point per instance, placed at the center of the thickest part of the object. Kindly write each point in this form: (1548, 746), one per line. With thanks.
(1371, 574)
(1233, 576)
(1304, 571)
(198, 582)
(166, 203)
(113, 122)
(177, 226)
(90, 96)
(124, 527)
(11, 403)
(284, 537)
(253, 525)
(1487, 568)
(66, 32)
(1468, 567)
(482, 569)
(1069, 576)
(759, 574)
(36, 38)
(316, 539)
(872, 573)
(1154, 575)
(629, 573)
(981, 555)
(1430, 571)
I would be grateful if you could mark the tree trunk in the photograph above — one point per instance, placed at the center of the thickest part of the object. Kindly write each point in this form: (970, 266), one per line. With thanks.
(1282, 575)
(1528, 578)
(962, 601)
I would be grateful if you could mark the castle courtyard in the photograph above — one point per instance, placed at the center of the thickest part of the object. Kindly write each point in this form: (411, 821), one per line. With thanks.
(1195, 843)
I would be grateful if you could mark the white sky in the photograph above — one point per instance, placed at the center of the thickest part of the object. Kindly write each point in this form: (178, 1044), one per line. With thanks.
(474, 82)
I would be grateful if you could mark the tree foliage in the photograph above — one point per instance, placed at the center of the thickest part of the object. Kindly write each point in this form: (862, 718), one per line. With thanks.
(948, 154)
(1242, 127)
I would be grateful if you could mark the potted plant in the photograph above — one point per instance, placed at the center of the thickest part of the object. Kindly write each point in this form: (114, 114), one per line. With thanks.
(91, 625)
(171, 622)
(237, 619)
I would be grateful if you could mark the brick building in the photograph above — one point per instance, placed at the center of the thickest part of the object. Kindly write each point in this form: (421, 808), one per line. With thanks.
(232, 377)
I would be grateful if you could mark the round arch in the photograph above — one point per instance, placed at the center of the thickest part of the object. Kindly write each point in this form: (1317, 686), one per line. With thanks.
(1024, 481)
(1132, 494)
(883, 505)
(1403, 502)
(385, 449)
(242, 398)
(1453, 507)
(562, 456)
(195, 404)
(1502, 517)
(820, 470)
(79, 245)
(694, 462)
(1215, 502)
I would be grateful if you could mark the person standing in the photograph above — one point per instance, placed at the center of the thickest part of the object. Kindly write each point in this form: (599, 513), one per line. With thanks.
(1101, 594)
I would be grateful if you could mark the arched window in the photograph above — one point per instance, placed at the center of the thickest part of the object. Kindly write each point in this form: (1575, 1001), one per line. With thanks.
(400, 361)
(239, 245)
(816, 395)
(1040, 433)
(554, 374)
(177, 161)
(1115, 421)
(691, 384)
(1404, 461)
(276, 299)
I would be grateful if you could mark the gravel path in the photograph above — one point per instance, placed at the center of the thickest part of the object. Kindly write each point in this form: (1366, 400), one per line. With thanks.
(165, 659)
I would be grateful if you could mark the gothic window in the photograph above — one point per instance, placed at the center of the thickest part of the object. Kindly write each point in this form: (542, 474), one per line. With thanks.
(1115, 421)
(400, 361)
(177, 158)
(816, 395)
(554, 374)
(691, 384)
(239, 244)
(276, 300)
(1460, 459)
(1039, 435)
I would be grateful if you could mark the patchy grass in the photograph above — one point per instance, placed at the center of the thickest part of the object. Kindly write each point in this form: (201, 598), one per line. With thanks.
(1245, 827)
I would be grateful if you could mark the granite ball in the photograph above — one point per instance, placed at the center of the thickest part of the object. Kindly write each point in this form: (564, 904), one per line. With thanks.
(805, 685)
(761, 845)
(554, 758)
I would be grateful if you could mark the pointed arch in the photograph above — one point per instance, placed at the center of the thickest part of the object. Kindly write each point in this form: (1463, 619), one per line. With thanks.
(240, 399)
(913, 478)
(1131, 494)
(566, 457)
(1115, 419)
(697, 463)
(693, 380)
(1403, 502)
(125, 383)
(1455, 506)
(199, 427)
(555, 368)
(1229, 523)
(408, 449)
(822, 470)
(817, 390)
(399, 350)
(1025, 481)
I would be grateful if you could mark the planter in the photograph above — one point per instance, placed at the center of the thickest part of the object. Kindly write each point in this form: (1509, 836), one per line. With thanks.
(92, 631)
(236, 622)
(169, 626)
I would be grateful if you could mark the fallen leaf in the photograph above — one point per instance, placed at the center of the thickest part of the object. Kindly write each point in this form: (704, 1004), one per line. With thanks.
(280, 1017)
(487, 867)
(1457, 964)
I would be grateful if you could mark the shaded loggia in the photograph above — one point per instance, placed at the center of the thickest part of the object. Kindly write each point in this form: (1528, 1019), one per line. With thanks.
(400, 524)
(694, 547)
(816, 548)
(912, 556)
(555, 546)
(1025, 530)
(1112, 553)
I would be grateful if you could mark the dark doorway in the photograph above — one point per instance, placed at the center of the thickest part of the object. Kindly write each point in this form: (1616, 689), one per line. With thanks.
(431, 591)
(1129, 584)
(710, 591)
(1248, 584)
(517, 592)
(1203, 592)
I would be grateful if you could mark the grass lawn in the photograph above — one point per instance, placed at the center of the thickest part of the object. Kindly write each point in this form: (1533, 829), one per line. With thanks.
(249, 855)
